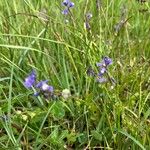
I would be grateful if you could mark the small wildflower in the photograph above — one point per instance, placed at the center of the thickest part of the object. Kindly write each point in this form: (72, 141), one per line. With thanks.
(87, 19)
(105, 62)
(112, 87)
(65, 11)
(66, 21)
(30, 80)
(66, 93)
(87, 25)
(36, 94)
(108, 61)
(102, 71)
(43, 86)
(101, 79)
(68, 3)
(89, 16)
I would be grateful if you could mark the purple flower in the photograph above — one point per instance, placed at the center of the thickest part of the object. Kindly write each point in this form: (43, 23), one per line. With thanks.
(102, 71)
(103, 68)
(65, 11)
(101, 79)
(87, 25)
(68, 3)
(43, 86)
(30, 80)
(102, 75)
(36, 94)
(105, 62)
(87, 19)
(40, 84)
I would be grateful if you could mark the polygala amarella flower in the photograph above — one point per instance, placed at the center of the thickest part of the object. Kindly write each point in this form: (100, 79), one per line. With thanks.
(100, 76)
(105, 62)
(103, 68)
(68, 4)
(43, 86)
(87, 20)
(87, 25)
(101, 79)
(65, 11)
(30, 80)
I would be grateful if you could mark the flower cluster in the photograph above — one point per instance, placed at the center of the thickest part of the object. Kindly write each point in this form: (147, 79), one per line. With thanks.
(68, 4)
(102, 70)
(42, 86)
(87, 20)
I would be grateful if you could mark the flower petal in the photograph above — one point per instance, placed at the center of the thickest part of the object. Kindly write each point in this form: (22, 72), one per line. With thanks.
(65, 11)
(30, 80)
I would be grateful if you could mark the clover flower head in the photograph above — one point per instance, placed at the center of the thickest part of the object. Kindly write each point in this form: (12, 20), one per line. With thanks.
(66, 93)
(30, 80)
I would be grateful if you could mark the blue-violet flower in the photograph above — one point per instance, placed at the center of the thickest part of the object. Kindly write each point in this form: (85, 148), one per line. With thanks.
(103, 68)
(30, 80)
(68, 4)
(43, 86)
(105, 62)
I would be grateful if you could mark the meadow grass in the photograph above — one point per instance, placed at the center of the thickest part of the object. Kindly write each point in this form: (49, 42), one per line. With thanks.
(34, 34)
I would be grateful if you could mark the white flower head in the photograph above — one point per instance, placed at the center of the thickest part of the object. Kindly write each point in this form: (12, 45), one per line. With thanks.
(66, 93)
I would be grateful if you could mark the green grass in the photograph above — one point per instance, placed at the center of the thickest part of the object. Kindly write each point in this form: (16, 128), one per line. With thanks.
(96, 116)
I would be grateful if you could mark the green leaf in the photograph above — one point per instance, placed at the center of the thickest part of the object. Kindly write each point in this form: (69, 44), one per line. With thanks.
(96, 135)
(58, 110)
(132, 138)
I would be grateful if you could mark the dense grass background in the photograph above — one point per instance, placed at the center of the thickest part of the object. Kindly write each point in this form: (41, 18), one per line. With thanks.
(35, 35)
